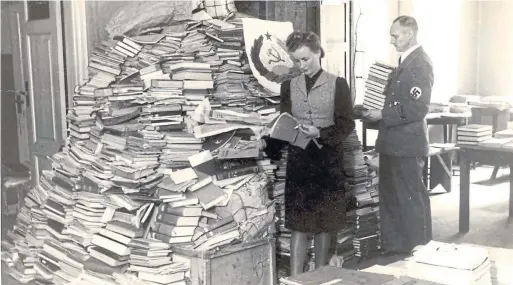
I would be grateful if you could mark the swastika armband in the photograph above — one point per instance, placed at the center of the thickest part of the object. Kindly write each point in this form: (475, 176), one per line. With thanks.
(415, 92)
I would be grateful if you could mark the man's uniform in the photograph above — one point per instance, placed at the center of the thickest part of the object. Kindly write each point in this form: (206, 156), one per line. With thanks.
(402, 143)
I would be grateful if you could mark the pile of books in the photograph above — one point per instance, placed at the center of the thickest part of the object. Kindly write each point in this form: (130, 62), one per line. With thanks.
(452, 264)
(277, 194)
(344, 248)
(504, 134)
(501, 139)
(362, 182)
(163, 151)
(367, 241)
(376, 86)
(474, 134)
(361, 237)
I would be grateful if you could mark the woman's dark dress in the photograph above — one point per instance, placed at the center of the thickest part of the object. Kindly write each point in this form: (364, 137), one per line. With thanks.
(314, 190)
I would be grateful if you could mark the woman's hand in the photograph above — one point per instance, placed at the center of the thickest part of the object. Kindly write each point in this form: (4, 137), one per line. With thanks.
(262, 144)
(310, 131)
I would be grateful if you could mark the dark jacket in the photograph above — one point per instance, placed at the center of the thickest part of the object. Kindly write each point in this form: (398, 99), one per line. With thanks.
(403, 129)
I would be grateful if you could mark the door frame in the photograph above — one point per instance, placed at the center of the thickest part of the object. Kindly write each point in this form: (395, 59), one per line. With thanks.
(75, 43)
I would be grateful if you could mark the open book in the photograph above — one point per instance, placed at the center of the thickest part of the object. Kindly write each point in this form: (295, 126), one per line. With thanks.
(286, 128)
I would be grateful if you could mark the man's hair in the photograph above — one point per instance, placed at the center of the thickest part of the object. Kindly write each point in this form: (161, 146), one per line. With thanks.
(408, 22)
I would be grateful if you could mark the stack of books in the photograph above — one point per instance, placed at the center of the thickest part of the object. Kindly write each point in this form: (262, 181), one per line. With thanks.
(277, 194)
(452, 264)
(344, 248)
(355, 169)
(367, 242)
(505, 138)
(473, 134)
(376, 86)
(355, 180)
(163, 149)
(504, 134)
(361, 238)
(150, 260)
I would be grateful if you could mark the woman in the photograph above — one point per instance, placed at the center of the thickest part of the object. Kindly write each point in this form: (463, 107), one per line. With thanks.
(314, 191)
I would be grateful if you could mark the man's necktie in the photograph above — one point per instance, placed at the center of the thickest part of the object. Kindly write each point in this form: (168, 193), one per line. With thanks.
(399, 61)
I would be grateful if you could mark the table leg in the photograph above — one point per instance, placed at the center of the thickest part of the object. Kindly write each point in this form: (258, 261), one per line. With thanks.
(495, 123)
(511, 190)
(494, 172)
(495, 127)
(450, 131)
(464, 193)
(446, 135)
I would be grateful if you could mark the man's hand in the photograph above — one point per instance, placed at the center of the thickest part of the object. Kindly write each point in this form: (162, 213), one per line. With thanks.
(372, 115)
(310, 131)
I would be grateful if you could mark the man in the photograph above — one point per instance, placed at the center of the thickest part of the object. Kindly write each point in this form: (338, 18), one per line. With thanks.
(402, 144)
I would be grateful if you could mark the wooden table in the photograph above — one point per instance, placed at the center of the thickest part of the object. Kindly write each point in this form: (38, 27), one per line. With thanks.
(485, 155)
(431, 119)
(440, 170)
(500, 116)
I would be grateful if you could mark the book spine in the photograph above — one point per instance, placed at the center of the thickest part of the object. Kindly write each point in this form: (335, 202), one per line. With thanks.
(377, 80)
(237, 163)
(161, 237)
(236, 172)
(171, 230)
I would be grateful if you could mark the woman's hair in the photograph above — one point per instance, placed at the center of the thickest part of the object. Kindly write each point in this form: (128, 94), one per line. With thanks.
(297, 40)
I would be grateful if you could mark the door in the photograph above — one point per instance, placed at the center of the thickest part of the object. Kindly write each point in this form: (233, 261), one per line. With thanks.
(336, 38)
(14, 18)
(37, 27)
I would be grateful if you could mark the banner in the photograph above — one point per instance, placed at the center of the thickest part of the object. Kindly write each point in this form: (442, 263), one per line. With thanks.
(267, 53)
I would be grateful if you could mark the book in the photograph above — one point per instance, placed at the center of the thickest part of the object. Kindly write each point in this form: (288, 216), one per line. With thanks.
(286, 128)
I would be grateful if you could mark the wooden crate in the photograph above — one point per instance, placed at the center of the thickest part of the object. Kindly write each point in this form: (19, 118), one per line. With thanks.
(251, 263)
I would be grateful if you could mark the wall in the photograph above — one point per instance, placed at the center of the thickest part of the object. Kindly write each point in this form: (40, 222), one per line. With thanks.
(448, 33)
(6, 33)
(371, 23)
(479, 59)
(441, 41)
(99, 14)
(304, 15)
(495, 48)
(449, 36)
(468, 41)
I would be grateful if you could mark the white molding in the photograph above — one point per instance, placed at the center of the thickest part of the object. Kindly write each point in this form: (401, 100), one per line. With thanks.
(75, 36)
(478, 49)
(334, 26)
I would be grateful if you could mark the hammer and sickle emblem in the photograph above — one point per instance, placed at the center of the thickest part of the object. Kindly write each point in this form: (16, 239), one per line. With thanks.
(275, 56)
